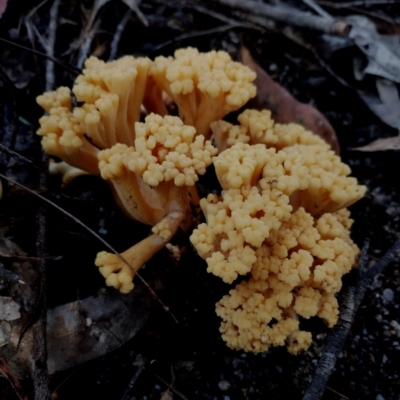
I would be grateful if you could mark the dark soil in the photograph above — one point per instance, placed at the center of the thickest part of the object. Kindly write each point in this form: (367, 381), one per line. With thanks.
(188, 357)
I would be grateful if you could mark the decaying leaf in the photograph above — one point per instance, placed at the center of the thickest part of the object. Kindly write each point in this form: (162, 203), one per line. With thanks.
(382, 60)
(387, 105)
(9, 309)
(392, 143)
(90, 328)
(284, 107)
(76, 332)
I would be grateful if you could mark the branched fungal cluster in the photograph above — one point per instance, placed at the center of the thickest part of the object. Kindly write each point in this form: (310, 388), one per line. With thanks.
(281, 218)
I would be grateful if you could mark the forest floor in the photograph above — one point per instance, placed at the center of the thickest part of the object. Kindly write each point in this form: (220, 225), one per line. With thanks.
(179, 354)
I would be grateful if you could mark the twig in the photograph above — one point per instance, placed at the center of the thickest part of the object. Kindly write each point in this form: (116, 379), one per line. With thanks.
(84, 49)
(170, 386)
(356, 3)
(118, 33)
(319, 10)
(9, 125)
(191, 35)
(221, 17)
(17, 156)
(68, 67)
(292, 16)
(51, 40)
(28, 258)
(352, 300)
(98, 237)
(8, 373)
(39, 351)
(8, 132)
(128, 392)
(337, 393)
(35, 9)
(263, 22)
(133, 5)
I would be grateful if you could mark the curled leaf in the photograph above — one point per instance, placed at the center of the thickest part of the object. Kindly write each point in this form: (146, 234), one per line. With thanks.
(391, 143)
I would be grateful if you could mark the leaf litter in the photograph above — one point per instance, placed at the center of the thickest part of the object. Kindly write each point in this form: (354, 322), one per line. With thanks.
(73, 318)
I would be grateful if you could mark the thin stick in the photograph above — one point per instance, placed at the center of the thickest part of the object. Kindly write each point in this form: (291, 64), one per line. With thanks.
(8, 373)
(41, 381)
(17, 156)
(191, 35)
(68, 67)
(9, 131)
(356, 3)
(221, 17)
(84, 49)
(39, 351)
(128, 392)
(292, 16)
(99, 238)
(318, 9)
(352, 300)
(118, 33)
(51, 40)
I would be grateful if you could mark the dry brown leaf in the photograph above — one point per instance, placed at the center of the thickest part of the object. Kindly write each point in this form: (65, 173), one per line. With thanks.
(391, 143)
(284, 107)
(76, 332)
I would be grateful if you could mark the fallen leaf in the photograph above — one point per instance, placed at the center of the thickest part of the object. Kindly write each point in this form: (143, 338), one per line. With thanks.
(392, 143)
(76, 332)
(9, 309)
(83, 330)
(284, 107)
(387, 105)
(383, 61)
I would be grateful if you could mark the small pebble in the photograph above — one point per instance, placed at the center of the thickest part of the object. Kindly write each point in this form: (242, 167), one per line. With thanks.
(224, 385)
(388, 295)
(396, 326)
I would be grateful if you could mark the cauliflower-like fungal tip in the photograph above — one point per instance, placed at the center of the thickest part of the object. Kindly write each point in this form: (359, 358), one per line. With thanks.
(241, 165)
(204, 86)
(154, 179)
(58, 98)
(257, 127)
(279, 219)
(62, 135)
(113, 93)
(167, 150)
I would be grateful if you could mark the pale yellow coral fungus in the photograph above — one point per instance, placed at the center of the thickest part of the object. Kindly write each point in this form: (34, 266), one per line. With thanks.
(112, 93)
(154, 183)
(204, 86)
(298, 276)
(280, 218)
(62, 135)
(257, 127)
